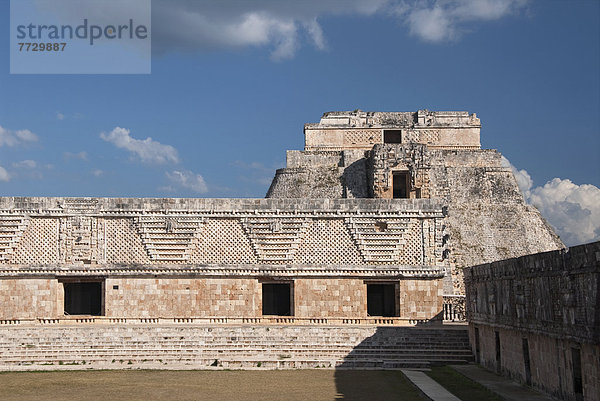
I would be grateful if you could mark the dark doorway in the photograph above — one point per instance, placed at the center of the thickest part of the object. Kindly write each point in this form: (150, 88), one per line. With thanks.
(83, 298)
(498, 353)
(276, 299)
(477, 346)
(527, 361)
(400, 185)
(577, 373)
(381, 300)
(392, 136)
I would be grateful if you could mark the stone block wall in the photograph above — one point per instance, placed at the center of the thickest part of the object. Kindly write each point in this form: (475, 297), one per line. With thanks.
(29, 298)
(421, 299)
(238, 297)
(551, 300)
(330, 298)
(182, 297)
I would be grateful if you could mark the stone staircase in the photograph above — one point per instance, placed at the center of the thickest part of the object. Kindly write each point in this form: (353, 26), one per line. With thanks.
(229, 347)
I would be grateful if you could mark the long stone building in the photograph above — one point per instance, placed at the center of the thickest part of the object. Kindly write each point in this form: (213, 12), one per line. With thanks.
(371, 223)
(537, 319)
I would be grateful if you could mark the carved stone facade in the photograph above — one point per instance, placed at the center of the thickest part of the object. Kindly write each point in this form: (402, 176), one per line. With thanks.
(374, 219)
(537, 319)
(428, 155)
(210, 257)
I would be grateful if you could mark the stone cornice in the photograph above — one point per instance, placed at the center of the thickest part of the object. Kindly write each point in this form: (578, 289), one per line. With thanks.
(287, 271)
(53, 206)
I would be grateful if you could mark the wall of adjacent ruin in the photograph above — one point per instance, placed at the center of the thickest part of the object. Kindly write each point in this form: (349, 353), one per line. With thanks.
(551, 299)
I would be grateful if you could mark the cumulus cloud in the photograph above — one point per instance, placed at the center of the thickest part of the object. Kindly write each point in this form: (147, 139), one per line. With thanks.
(4, 176)
(13, 138)
(147, 150)
(284, 25)
(60, 116)
(97, 172)
(573, 210)
(441, 20)
(187, 180)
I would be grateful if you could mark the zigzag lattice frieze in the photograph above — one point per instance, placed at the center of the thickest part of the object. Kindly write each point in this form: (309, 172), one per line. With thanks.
(275, 240)
(168, 238)
(379, 240)
(12, 228)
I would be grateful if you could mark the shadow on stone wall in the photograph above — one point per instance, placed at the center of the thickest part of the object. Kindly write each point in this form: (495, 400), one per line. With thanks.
(370, 370)
(354, 180)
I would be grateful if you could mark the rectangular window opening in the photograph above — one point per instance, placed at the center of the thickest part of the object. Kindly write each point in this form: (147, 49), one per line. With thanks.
(477, 346)
(498, 354)
(83, 298)
(277, 299)
(526, 361)
(400, 185)
(392, 136)
(381, 300)
(577, 373)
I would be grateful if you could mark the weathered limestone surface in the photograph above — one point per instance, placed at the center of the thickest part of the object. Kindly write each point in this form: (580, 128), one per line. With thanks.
(188, 345)
(550, 299)
(200, 258)
(347, 155)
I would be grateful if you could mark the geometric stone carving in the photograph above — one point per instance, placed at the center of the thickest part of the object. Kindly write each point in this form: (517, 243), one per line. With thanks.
(79, 205)
(81, 239)
(379, 240)
(11, 231)
(275, 240)
(168, 238)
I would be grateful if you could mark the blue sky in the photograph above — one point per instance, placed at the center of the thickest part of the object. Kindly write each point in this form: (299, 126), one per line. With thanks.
(233, 82)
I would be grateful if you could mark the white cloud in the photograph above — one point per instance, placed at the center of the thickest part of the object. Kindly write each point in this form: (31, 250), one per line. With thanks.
(282, 25)
(78, 156)
(441, 20)
(13, 138)
(147, 150)
(25, 164)
(60, 116)
(4, 176)
(188, 180)
(97, 172)
(573, 210)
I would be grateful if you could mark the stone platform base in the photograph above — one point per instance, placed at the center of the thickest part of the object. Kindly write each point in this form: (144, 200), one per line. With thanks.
(230, 347)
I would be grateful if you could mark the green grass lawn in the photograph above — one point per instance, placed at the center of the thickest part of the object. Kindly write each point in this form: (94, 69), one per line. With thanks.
(147, 385)
(461, 386)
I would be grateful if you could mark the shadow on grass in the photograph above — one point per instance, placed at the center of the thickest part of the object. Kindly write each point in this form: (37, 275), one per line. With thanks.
(460, 385)
(374, 385)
